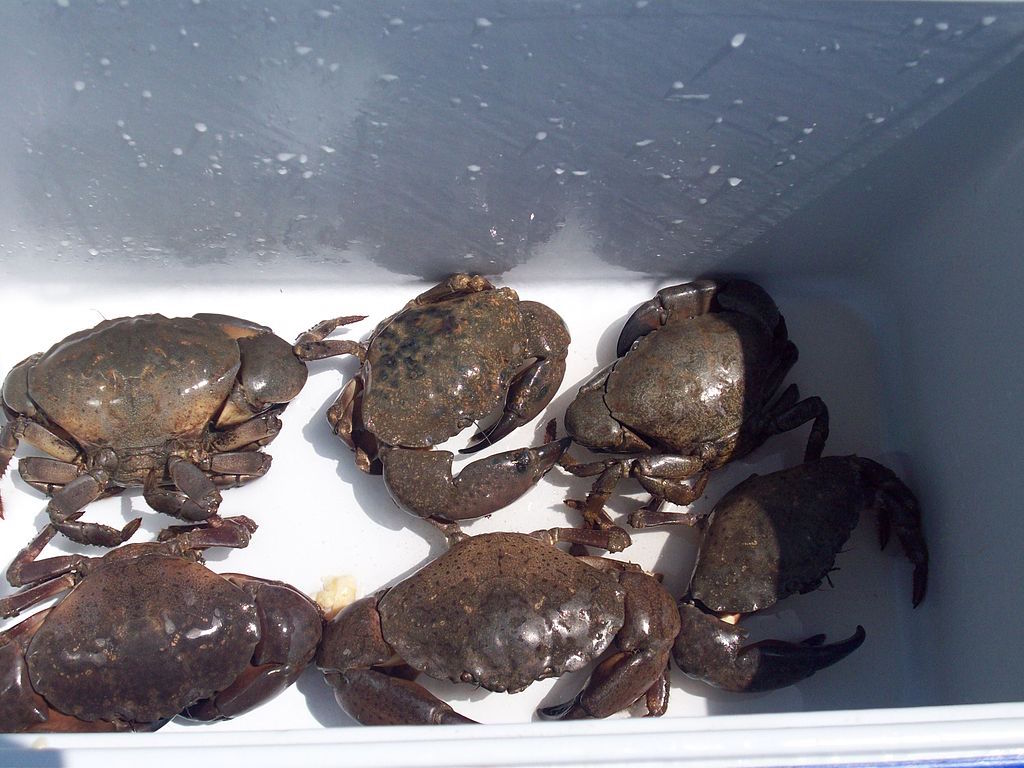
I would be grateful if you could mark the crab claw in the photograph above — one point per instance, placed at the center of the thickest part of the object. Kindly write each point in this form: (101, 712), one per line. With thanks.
(422, 482)
(712, 650)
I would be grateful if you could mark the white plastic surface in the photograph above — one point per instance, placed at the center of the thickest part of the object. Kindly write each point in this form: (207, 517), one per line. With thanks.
(900, 281)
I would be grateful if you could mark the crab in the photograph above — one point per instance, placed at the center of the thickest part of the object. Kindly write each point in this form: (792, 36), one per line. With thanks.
(500, 611)
(694, 387)
(451, 356)
(146, 633)
(773, 536)
(180, 406)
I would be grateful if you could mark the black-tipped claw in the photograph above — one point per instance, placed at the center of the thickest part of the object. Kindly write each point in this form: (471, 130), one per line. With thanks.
(648, 317)
(503, 427)
(557, 711)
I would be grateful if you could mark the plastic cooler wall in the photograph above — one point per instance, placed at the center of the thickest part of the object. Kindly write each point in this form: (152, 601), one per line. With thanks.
(864, 160)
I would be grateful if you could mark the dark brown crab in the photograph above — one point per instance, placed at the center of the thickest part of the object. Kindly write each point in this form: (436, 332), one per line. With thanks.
(179, 406)
(500, 611)
(452, 356)
(693, 388)
(773, 536)
(147, 633)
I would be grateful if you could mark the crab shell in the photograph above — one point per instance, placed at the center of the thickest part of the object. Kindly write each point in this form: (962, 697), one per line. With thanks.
(432, 370)
(141, 381)
(141, 639)
(501, 611)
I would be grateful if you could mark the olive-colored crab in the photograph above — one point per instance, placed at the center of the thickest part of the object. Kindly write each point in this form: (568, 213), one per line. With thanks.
(773, 536)
(180, 406)
(502, 610)
(147, 633)
(693, 388)
(452, 356)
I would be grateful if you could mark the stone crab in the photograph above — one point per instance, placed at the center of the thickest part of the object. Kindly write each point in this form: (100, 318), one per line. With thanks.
(452, 356)
(146, 633)
(777, 535)
(500, 611)
(693, 388)
(180, 406)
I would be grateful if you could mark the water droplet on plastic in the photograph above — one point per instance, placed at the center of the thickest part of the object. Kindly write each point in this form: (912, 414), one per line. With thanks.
(79, 85)
(987, 21)
(940, 81)
(395, 21)
(540, 135)
(303, 50)
(324, 14)
(147, 94)
(738, 39)
(104, 62)
(200, 127)
(328, 150)
(643, 143)
(734, 181)
(93, 252)
(284, 157)
(307, 174)
(808, 130)
(714, 169)
(702, 200)
(942, 26)
(918, 21)
(282, 171)
(177, 152)
(782, 118)
(64, 3)
(387, 78)
(473, 168)
(483, 23)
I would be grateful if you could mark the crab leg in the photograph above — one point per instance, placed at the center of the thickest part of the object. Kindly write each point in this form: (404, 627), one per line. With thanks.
(253, 433)
(311, 345)
(20, 428)
(638, 669)
(67, 505)
(47, 475)
(356, 661)
(712, 650)
(196, 497)
(229, 470)
(421, 481)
